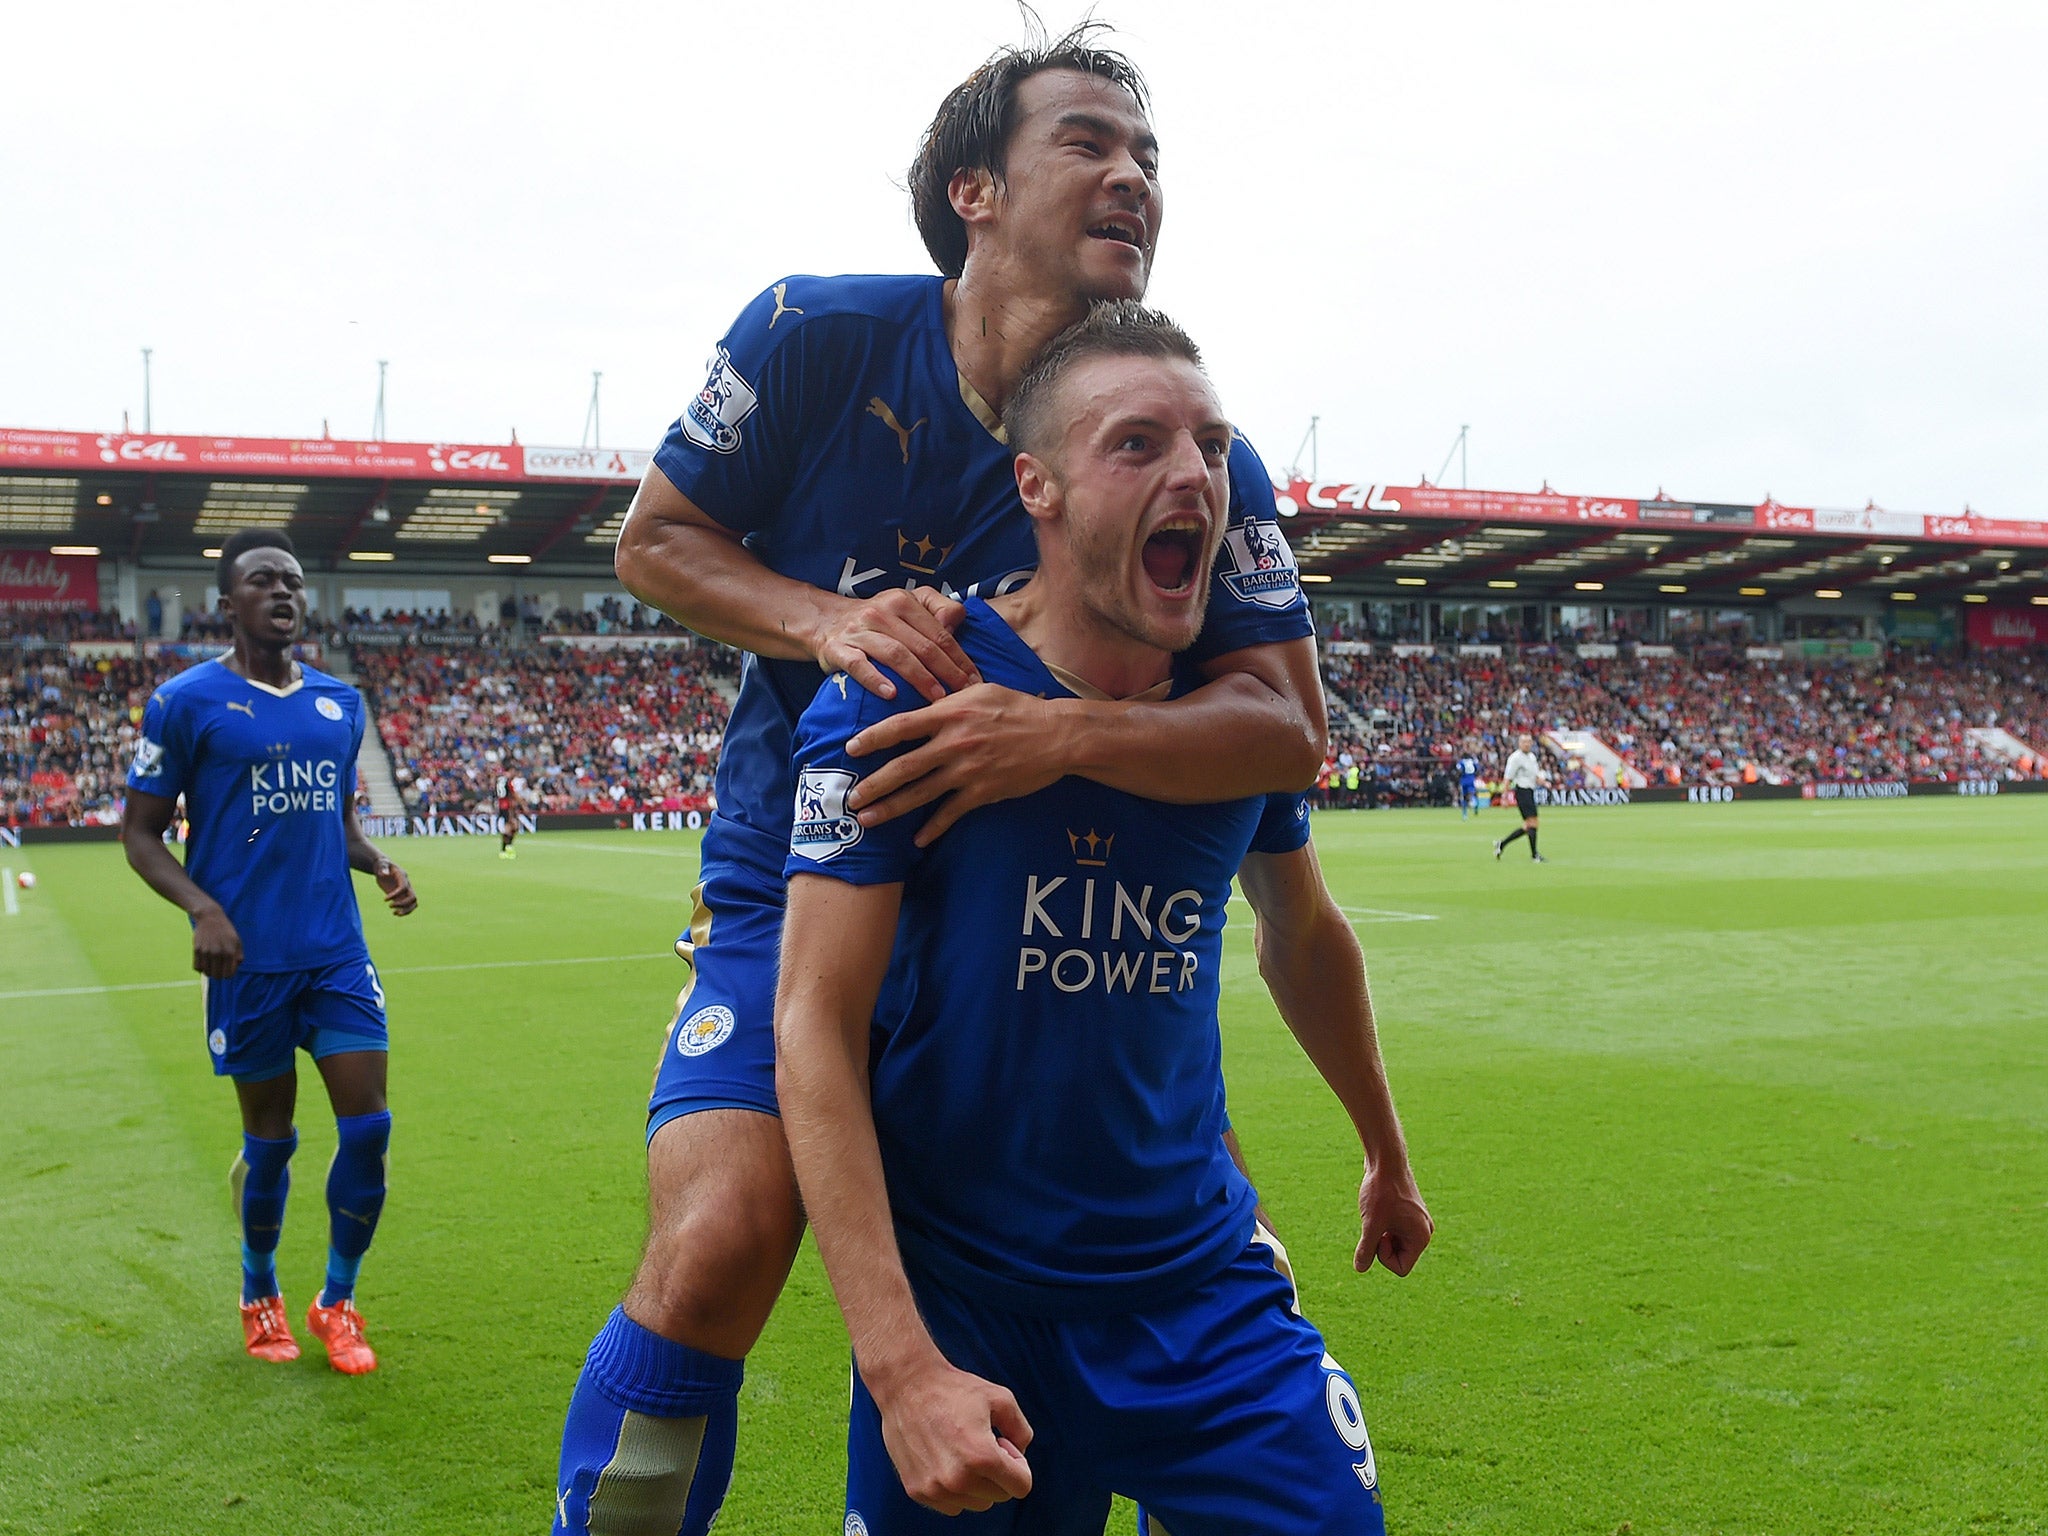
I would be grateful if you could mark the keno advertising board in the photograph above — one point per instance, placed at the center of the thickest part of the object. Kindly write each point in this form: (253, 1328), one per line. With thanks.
(33, 583)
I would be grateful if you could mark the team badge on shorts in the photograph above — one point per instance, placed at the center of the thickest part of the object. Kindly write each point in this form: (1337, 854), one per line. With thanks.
(217, 1042)
(704, 1029)
(823, 830)
(855, 1526)
(1257, 566)
(328, 708)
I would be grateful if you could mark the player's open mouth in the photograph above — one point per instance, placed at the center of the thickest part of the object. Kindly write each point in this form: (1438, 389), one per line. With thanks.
(1123, 228)
(1173, 555)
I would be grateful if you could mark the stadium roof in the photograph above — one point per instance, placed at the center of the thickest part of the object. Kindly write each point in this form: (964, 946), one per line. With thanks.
(1510, 547)
(169, 498)
(446, 506)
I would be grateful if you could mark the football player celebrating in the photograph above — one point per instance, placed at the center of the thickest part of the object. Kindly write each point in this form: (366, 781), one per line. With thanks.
(837, 488)
(999, 1060)
(264, 749)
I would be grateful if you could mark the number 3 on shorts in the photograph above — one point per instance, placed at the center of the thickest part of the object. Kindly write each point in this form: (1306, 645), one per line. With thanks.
(1348, 1418)
(377, 990)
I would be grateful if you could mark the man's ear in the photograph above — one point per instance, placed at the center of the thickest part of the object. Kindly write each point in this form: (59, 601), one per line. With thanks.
(1038, 488)
(972, 192)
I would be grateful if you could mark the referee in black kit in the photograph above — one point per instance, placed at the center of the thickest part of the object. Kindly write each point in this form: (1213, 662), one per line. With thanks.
(1523, 773)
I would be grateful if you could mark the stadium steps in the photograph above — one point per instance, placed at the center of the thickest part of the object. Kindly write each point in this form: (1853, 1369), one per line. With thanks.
(1994, 741)
(1345, 722)
(373, 763)
(1602, 762)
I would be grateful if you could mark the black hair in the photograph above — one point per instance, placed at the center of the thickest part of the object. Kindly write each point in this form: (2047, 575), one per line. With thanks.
(1111, 328)
(972, 128)
(242, 541)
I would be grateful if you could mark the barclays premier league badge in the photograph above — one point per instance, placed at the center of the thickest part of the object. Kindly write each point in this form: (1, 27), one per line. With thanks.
(1259, 565)
(823, 829)
(712, 420)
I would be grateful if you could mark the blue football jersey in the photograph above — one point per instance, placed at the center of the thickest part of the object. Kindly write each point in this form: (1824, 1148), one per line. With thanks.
(1468, 769)
(1046, 1065)
(266, 776)
(835, 432)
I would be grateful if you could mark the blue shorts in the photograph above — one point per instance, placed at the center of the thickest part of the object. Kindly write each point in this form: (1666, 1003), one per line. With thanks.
(719, 1052)
(255, 1021)
(1220, 1412)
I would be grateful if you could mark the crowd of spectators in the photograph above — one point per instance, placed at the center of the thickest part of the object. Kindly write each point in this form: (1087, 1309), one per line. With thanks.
(52, 629)
(637, 725)
(1709, 717)
(571, 729)
(67, 733)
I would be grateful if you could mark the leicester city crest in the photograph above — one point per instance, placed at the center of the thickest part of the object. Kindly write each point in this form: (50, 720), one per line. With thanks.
(705, 1028)
(823, 829)
(1257, 565)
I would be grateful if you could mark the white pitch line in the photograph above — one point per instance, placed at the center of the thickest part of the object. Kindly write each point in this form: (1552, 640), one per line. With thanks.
(393, 970)
(7, 878)
(553, 841)
(1363, 915)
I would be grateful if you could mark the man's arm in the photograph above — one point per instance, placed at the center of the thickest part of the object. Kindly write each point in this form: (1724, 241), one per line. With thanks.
(1312, 964)
(957, 1441)
(394, 882)
(216, 947)
(677, 557)
(1258, 726)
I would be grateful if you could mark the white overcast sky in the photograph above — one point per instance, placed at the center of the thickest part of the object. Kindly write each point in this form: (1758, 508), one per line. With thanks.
(1729, 250)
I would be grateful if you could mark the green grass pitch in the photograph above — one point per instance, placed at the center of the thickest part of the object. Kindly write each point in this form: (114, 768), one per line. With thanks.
(1734, 1120)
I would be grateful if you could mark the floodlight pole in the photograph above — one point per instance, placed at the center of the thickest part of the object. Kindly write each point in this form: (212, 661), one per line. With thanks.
(1457, 452)
(593, 429)
(145, 387)
(1308, 441)
(377, 421)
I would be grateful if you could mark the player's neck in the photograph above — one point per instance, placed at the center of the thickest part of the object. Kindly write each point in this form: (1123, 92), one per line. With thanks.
(1066, 634)
(269, 665)
(997, 325)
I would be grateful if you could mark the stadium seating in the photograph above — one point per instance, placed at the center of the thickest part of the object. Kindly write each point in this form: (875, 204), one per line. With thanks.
(587, 730)
(67, 732)
(638, 727)
(1711, 717)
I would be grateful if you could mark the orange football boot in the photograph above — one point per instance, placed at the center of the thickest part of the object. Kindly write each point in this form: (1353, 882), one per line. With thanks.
(340, 1328)
(265, 1333)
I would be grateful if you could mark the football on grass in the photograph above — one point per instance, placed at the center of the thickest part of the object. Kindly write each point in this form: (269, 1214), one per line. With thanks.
(26, 879)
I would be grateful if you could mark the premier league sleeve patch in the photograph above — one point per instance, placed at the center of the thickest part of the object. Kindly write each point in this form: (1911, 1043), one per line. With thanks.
(712, 420)
(1257, 566)
(823, 830)
(149, 759)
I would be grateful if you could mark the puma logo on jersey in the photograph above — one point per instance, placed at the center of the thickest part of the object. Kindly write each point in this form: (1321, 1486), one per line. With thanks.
(781, 292)
(244, 708)
(878, 408)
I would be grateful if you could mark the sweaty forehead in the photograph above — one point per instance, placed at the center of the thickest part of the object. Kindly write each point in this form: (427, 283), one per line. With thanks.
(269, 559)
(1051, 94)
(1170, 391)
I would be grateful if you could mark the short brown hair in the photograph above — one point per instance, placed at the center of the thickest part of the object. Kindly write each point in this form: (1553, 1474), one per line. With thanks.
(1111, 328)
(972, 128)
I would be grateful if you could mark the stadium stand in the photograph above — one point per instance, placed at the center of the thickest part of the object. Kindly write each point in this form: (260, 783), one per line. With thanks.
(636, 725)
(1709, 717)
(584, 729)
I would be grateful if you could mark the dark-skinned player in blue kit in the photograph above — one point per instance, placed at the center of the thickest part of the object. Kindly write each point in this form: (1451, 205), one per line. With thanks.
(999, 1060)
(827, 501)
(263, 750)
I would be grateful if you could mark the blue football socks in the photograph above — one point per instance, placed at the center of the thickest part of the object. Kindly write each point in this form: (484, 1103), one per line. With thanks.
(260, 1180)
(355, 1198)
(648, 1443)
